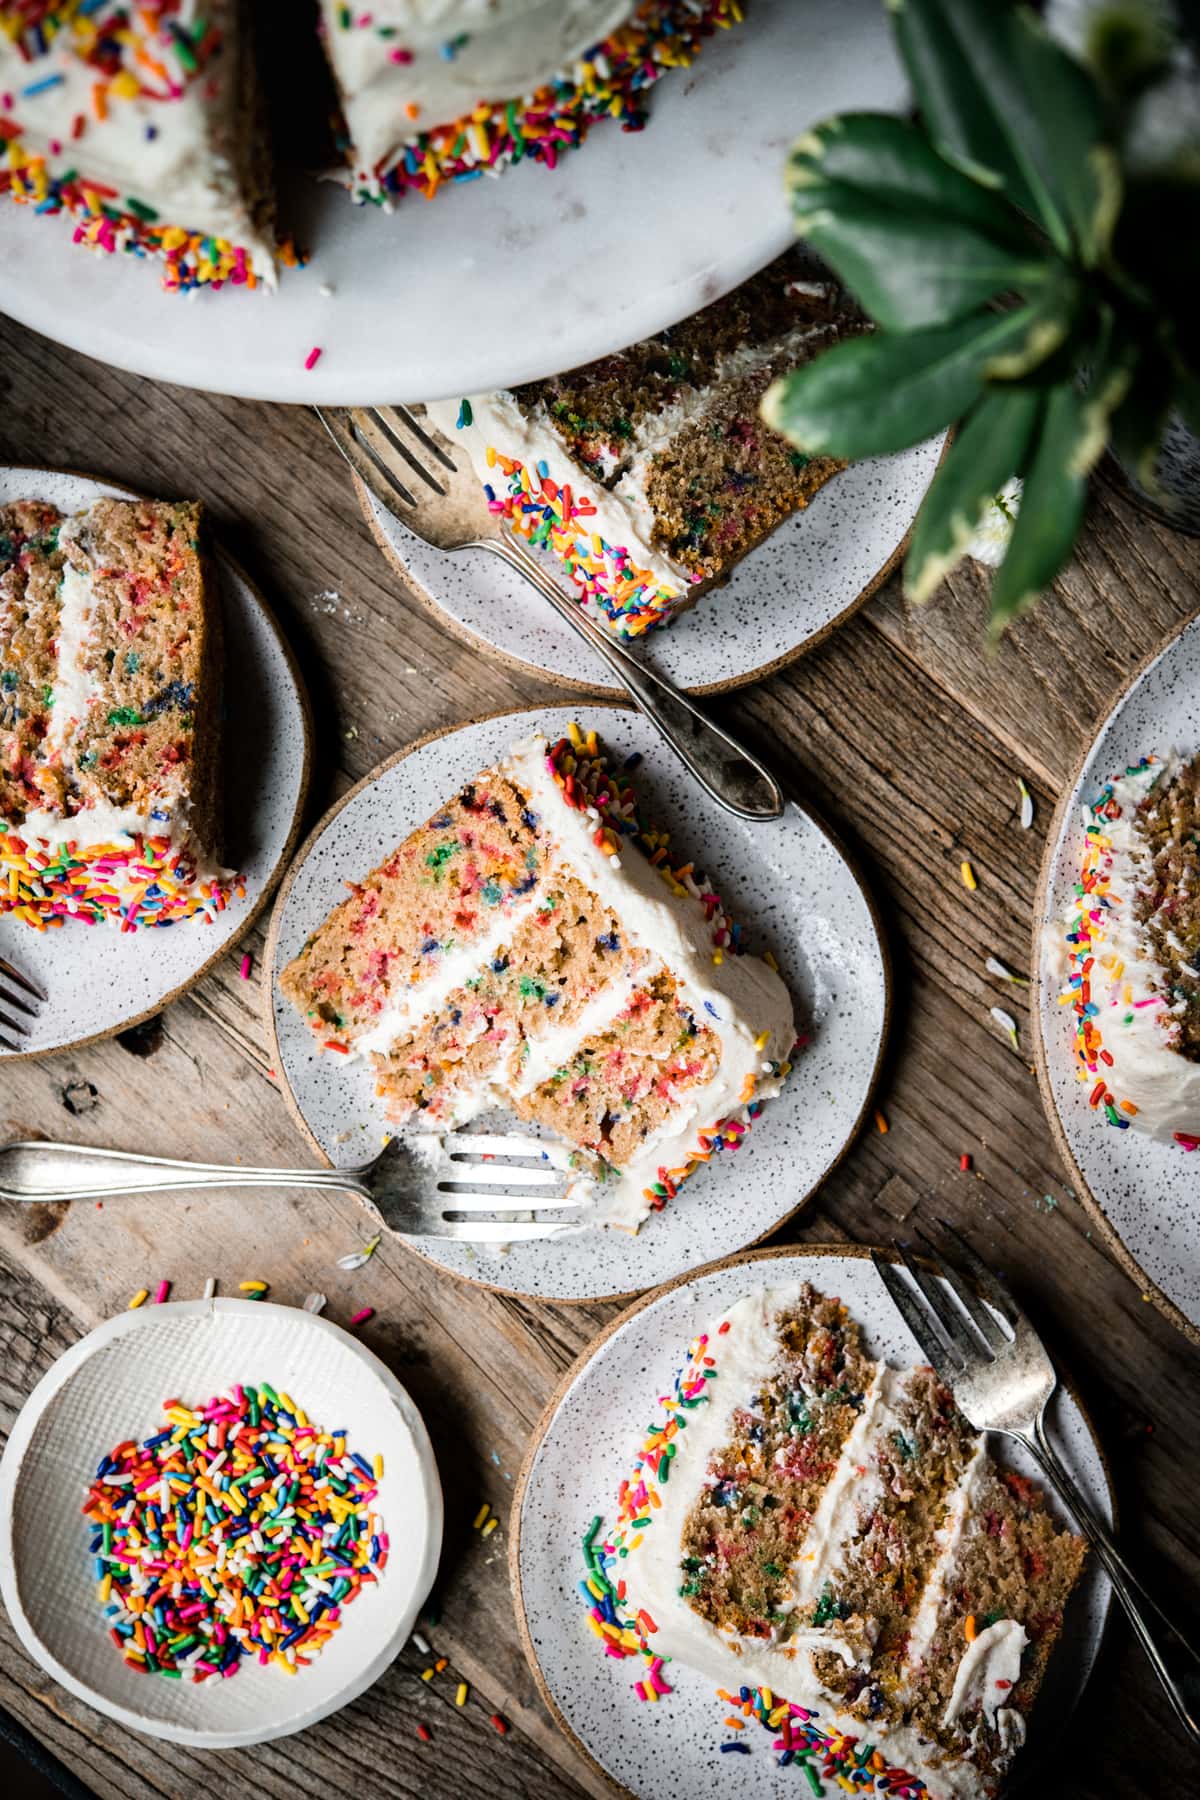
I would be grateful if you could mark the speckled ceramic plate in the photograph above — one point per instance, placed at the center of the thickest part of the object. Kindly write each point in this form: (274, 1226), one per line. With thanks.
(109, 1386)
(101, 981)
(584, 1446)
(782, 599)
(497, 281)
(794, 890)
(1144, 1196)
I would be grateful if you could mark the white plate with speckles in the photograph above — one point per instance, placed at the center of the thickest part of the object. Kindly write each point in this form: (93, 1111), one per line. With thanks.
(782, 599)
(498, 281)
(109, 1387)
(102, 981)
(796, 894)
(586, 1443)
(1144, 1196)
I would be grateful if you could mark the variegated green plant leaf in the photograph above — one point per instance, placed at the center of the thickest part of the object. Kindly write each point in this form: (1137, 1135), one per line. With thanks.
(991, 445)
(888, 390)
(915, 240)
(1011, 107)
(1068, 438)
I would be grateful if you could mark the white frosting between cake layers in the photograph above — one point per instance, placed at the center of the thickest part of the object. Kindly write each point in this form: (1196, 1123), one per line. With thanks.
(989, 1670)
(512, 48)
(1161, 1083)
(73, 684)
(548, 1050)
(185, 172)
(745, 1356)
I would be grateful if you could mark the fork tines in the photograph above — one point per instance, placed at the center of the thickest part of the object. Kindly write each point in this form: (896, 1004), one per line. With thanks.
(955, 1337)
(388, 443)
(20, 998)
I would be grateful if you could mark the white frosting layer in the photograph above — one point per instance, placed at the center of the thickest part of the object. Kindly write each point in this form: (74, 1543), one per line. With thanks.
(989, 1670)
(73, 684)
(185, 171)
(1125, 977)
(512, 47)
(746, 1354)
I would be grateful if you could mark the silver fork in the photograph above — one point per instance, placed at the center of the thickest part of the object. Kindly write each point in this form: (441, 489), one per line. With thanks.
(419, 1195)
(20, 999)
(1002, 1380)
(428, 483)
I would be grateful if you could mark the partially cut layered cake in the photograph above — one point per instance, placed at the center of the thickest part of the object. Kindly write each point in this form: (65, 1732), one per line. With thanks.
(110, 662)
(1133, 949)
(651, 473)
(836, 1551)
(534, 946)
(438, 91)
(144, 123)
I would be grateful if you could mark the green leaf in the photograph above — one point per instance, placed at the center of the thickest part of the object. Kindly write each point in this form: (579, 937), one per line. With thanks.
(885, 391)
(1067, 440)
(991, 446)
(912, 237)
(1008, 105)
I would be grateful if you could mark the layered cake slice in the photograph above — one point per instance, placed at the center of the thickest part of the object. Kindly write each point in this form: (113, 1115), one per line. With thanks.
(144, 123)
(650, 473)
(457, 89)
(110, 661)
(836, 1551)
(1133, 951)
(534, 946)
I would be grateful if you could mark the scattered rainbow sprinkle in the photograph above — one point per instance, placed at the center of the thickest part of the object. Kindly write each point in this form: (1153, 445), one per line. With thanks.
(239, 1529)
(134, 881)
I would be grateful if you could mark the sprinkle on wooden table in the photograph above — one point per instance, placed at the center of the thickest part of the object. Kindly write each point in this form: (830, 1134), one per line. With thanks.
(881, 1124)
(441, 1665)
(419, 1643)
(480, 1516)
(314, 1303)
(500, 1724)
(253, 1290)
(460, 1697)
(164, 1288)
(424, 1733)
(490, 1527)
(362, 1315)
(427, 1674)
(968, 877)
(964, 1161)
(210, 1287)
(246, 965)
(139, 1299)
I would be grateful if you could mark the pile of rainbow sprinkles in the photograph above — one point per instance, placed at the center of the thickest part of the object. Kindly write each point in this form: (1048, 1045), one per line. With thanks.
(238, 1531)
(137, 880)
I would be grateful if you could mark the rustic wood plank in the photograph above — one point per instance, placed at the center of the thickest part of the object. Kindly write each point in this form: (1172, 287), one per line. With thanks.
(909, 737)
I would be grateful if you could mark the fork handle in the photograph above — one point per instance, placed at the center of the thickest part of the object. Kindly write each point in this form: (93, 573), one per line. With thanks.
(1174, 1660)
(40, 1172)
(725, 769)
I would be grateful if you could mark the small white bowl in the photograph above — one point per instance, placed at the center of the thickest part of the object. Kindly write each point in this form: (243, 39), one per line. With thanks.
(110, 1386)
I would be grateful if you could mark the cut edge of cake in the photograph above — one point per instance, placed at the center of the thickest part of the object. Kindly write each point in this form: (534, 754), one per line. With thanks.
(109, 790)
(571, 820)
(946, 1707)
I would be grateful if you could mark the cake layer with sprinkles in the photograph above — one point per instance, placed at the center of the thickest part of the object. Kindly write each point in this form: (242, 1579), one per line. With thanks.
(143, 123)
(1132, 942)
(537, 946)
(651, 473)
(110, 669)
(836, 1551)
(449, 93)
(237, 1532)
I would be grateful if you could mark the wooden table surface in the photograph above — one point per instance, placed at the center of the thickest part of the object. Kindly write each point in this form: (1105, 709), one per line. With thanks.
(909, 736)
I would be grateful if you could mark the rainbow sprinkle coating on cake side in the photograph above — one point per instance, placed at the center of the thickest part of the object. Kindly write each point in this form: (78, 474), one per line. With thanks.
(608, 81)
